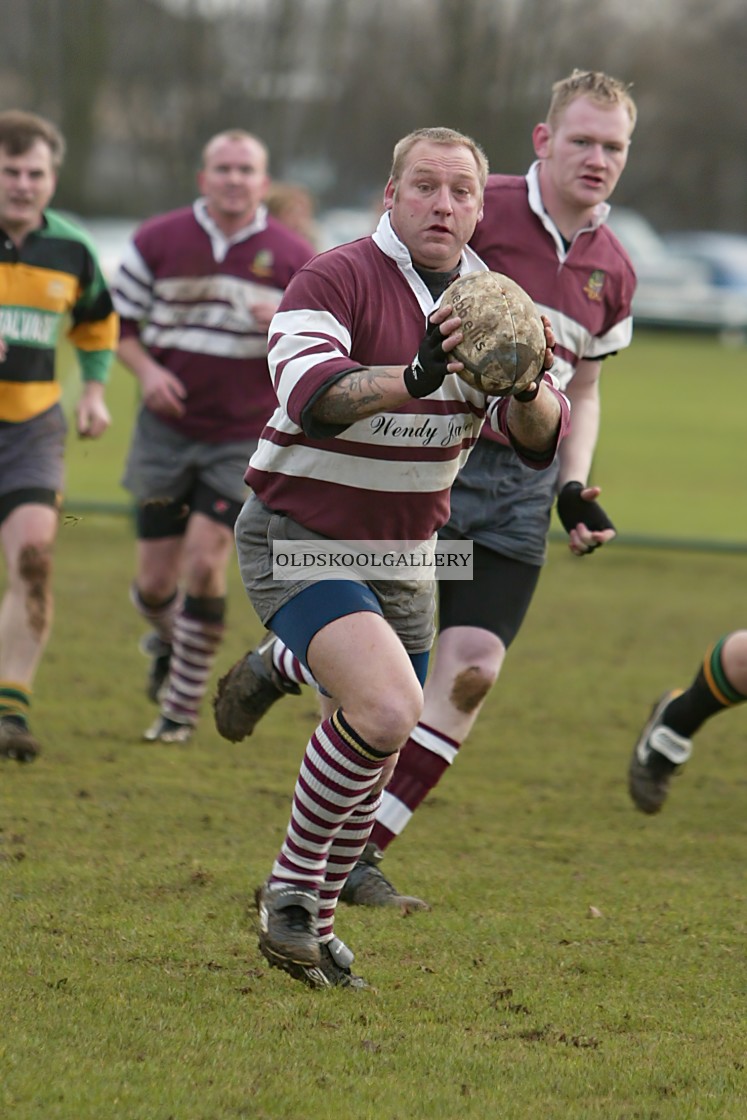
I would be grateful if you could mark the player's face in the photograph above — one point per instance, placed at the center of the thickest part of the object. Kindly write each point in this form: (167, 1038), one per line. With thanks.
(27, 183)
(436, 204)
(584, 155)
(234, 180)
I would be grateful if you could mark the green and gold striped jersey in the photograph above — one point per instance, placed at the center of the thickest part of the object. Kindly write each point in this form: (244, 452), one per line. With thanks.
(52, 283)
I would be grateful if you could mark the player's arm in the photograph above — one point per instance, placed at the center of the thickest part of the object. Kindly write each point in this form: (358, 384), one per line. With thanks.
(93, 332)
(586, 523)
(362, 392)
(92, 416)
(162, 391)
(535, 426)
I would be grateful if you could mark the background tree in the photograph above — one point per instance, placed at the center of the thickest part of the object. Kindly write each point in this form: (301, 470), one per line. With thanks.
(139, 85)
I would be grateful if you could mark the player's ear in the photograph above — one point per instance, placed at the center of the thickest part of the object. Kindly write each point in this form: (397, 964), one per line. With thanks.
(389, 190)
(541, 136)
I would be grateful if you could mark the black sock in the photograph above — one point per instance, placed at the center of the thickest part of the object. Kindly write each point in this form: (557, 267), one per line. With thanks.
(709, 693)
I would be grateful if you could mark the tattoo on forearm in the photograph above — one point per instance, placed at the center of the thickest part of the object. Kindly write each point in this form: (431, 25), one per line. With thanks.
(359, 394)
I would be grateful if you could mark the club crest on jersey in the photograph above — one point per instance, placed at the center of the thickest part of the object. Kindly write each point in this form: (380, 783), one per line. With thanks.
(262, 263)
(594, 285)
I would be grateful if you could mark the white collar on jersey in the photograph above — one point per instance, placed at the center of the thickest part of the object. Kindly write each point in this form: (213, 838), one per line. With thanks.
(534, 195)
(220, 243)
(386, 240)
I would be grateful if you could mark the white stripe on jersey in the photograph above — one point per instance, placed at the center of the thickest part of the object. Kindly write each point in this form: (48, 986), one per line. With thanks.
(216, 343)
(380, 475)
(131, 292)
(396, 429)
(200, 314)
(572, 336)
(309, 322)
(204, 295)
(303, 340)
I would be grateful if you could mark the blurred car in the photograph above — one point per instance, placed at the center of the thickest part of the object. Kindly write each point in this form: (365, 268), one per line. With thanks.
(342, 224)
(676, 289)
(724, 254)
(110, 235)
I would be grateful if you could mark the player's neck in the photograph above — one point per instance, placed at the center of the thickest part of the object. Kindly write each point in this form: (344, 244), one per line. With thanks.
(230, 224)
(568, 219)
(17, 232)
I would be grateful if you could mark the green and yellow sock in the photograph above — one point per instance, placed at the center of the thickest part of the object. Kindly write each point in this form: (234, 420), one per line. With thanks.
(15, 701)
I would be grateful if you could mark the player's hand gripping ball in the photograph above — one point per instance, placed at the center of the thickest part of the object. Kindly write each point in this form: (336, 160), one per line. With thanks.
(503, 350)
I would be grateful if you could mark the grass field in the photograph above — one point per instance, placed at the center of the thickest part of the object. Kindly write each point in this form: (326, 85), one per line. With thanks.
(581, 961)
(672, 456)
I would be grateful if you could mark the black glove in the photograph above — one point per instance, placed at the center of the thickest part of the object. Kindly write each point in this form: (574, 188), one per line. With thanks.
(572, 509)
(428, 368)
(529, 394)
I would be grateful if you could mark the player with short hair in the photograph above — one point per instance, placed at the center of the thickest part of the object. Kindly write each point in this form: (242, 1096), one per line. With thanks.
(196, 291)
(547, 231)
(346, 456)
(50, 277)
(665, 743)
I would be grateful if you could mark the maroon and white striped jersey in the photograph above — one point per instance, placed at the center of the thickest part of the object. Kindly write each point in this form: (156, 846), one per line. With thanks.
(585, 289)
(386, 477)
(186, 291)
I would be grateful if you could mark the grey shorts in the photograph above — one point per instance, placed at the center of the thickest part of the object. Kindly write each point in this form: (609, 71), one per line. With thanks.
(502, 504)
(163, 465)
(32, 453)
(408, 606)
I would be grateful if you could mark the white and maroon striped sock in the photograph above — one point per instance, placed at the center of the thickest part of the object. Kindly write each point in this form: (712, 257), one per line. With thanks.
(346, 850)
(422, 762)
(337, 775)
(194, 646)
(289, 667)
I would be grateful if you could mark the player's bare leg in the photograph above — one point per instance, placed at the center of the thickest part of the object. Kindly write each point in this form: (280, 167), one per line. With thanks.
(27, 535)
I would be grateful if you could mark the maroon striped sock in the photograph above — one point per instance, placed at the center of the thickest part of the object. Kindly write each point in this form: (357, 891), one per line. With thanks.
(194, 646)
(422, 762)
(338, 774)
(346, 850)
(288, 665)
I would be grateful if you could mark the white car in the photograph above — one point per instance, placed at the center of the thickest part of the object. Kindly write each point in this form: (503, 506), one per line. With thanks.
(675, 289)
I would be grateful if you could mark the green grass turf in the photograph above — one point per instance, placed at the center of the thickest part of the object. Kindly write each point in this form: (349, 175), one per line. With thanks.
(672, 457)
(581, 961)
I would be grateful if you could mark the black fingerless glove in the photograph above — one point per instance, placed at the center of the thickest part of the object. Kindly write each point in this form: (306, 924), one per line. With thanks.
(572, 509)
(529, 394)
(428, 368)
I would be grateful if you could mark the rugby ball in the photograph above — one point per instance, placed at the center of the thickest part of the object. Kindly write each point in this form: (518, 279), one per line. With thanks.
(503, 350)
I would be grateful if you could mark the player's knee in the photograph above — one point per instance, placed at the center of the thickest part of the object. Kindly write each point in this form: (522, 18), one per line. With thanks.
(392, 719)
(734, 660)
(471, 685)
(154, 589)
(204, 574)
(35, 573)
(35, 565)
